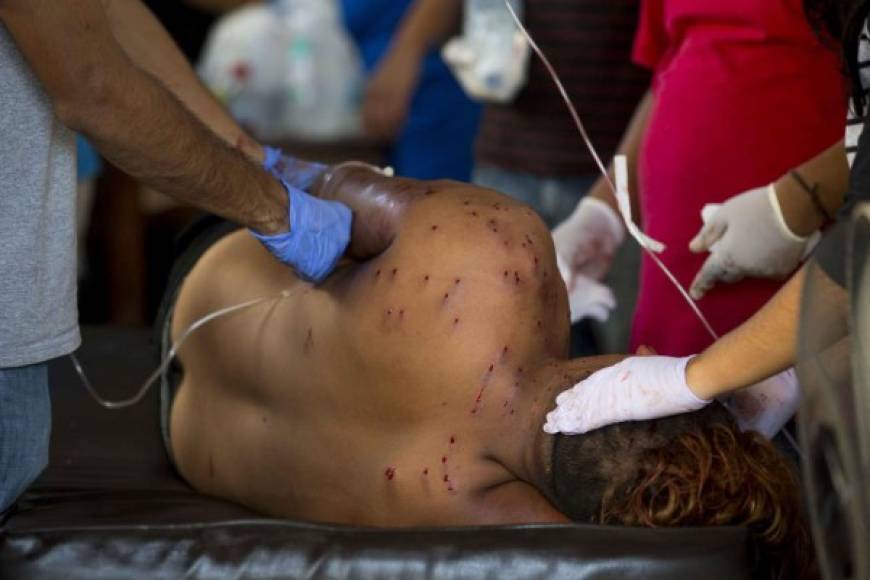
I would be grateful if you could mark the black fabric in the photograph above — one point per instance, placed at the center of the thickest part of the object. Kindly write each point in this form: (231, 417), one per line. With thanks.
(831, 253)
(190, 245)
(110, 506)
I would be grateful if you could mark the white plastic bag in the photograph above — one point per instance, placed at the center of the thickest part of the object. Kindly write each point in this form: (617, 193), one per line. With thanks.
(491, 58)
(286, 69)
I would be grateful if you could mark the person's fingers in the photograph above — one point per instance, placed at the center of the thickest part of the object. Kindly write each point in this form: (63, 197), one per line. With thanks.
(709, 234)
(644, 350)
(712, 271)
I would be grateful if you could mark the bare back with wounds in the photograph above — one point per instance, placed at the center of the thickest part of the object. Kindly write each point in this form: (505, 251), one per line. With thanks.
(409, 389)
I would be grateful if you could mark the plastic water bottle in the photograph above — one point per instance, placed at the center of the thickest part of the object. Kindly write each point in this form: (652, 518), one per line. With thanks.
(490, 59)
(323, 71)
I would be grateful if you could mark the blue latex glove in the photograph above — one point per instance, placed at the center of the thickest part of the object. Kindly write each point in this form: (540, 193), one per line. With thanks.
(296, 172)
(319, 234)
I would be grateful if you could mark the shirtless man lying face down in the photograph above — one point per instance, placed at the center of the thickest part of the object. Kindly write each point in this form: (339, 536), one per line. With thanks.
(410, 388)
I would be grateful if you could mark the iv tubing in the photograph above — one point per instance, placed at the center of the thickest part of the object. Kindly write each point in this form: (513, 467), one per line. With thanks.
(165, 362)
(582, 129)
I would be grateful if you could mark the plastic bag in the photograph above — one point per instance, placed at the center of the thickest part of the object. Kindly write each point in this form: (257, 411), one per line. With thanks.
(286, 70)
(491, 58)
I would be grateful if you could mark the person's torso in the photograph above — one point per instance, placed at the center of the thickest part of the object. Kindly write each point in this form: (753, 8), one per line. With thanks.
(38, 318)
(384, 396)
(744, 91)
(589, 45)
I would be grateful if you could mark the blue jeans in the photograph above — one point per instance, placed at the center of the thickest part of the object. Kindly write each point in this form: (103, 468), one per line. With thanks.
(25, 428)
(553, 198)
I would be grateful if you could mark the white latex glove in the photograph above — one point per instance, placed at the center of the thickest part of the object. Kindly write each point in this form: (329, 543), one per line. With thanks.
(746, 236)
(587, 240)
(588, 298)
(636, 389)
(767, 406)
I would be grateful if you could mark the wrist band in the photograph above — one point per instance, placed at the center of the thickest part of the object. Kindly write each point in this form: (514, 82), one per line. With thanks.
(812, 191)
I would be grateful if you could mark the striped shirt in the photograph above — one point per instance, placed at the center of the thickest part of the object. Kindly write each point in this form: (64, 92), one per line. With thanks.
(589, 43)
(855, 120)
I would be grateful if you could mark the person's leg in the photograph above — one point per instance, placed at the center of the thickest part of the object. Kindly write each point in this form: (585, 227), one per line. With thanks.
(25, 429)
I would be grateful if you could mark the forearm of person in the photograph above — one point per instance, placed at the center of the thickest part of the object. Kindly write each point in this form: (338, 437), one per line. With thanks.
(428, 23)
(141, 128)
(630, 147)
(147, 44)
(760, 348)
(135, 122)
(829, 173)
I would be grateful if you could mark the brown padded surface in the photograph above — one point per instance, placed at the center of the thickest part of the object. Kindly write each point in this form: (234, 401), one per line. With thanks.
(110, 506)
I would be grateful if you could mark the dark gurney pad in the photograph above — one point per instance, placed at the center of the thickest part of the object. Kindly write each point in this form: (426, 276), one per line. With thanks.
(110, 506)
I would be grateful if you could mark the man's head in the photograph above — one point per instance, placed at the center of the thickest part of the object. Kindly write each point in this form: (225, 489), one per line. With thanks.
(695, 469)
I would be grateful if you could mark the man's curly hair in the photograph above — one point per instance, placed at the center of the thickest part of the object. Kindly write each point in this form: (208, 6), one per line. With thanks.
(690, 470)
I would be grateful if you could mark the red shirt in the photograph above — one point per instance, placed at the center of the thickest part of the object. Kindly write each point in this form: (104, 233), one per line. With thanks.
(744, 91)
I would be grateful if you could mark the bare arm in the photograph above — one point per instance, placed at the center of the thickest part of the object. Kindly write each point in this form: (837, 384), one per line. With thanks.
(428, 23)
(135, 122)
(759, 348)
(829, 172)
(147, 44)
(629, 146)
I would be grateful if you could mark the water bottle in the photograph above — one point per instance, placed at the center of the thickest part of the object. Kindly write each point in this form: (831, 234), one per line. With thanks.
(323, 71)
(490, 58)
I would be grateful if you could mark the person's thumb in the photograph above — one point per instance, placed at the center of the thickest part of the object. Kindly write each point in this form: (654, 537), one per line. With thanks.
(712, 271)
(708, 235)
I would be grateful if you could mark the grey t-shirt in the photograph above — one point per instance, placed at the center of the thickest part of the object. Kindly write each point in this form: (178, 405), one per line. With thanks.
(38, 316)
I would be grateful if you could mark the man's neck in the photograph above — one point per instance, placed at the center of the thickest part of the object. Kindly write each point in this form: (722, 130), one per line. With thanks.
(532, 460)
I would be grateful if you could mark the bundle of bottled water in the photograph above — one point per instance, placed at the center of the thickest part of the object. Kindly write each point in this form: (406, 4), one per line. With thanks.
(490, 59)
(286, 69)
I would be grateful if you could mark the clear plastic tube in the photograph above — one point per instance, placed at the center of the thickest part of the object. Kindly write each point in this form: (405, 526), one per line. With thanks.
(166, 359)
(620, 192)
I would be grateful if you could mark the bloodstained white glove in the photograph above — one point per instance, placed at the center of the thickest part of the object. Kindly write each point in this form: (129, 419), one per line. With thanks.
(767, 406)
(636, 389)
(746, 236)
(587, 240)
(588, 298)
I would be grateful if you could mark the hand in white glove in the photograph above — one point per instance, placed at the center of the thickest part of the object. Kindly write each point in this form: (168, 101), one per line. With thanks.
(767, 406)
(587, 240)
(636, 389)
(746, 236)
(588, 298)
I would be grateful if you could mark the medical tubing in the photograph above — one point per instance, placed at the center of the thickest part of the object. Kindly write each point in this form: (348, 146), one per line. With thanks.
(586, 139)
(589, 145)
(166, 360)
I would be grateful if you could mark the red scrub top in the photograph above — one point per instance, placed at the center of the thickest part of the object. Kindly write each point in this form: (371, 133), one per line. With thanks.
(744, 91)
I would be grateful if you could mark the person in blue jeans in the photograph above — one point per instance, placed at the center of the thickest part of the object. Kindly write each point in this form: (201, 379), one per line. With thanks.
(433, 137)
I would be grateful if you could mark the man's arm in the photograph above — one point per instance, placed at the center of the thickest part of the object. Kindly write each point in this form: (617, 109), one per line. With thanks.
(427, 23)
(135, 122)
(147, 44)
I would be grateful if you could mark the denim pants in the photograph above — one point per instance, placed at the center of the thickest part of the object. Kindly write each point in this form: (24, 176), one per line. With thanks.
(25, 428)
(553, 198)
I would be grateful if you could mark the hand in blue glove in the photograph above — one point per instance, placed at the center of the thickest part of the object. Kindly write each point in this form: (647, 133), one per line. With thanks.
(296, 172)
(319, 234)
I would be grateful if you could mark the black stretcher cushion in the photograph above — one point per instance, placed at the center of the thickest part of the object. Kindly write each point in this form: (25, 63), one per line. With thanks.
(110, 506)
